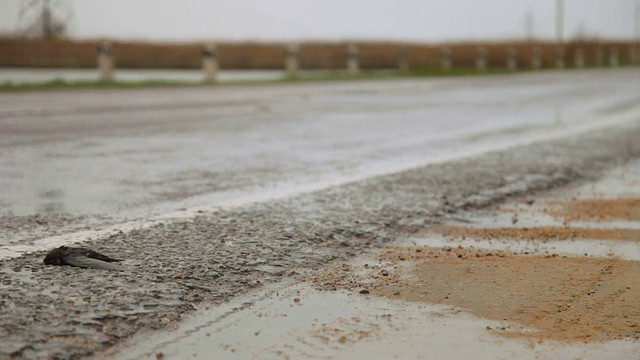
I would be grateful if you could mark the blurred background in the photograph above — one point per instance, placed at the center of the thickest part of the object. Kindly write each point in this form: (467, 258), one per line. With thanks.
(38, 38)
(412, 20)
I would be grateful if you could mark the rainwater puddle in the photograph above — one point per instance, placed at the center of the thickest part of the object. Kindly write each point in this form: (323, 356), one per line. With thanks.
(299, 322)
(594, 219)
(627, 250)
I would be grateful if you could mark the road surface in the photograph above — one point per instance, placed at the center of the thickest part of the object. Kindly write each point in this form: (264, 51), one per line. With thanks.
(138, 153)
(318, 171)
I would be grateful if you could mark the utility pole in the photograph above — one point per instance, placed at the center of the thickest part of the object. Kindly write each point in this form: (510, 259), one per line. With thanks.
(560, 21)
(636, 22)
(636, 33)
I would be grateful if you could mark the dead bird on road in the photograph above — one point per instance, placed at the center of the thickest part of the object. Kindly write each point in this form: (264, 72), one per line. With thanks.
(82, 257)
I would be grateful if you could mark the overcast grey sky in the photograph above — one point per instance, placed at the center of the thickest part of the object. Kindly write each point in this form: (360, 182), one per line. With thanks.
(419, 20)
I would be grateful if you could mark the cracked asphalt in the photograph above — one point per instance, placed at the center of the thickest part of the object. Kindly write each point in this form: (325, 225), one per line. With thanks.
(195, 263)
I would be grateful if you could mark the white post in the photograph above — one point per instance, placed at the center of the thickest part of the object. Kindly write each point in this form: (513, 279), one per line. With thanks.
(536, 58)
(579, 58)
(481, 59)
(614, 59)
(291, 63)
(512, 62)
(353, 68)
(105, 61)
(599, 56)
(445, 59)
(210, 62)
(560, 58)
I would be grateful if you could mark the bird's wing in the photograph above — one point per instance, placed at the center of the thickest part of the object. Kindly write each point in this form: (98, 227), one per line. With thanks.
(96, 255)
(89, 262)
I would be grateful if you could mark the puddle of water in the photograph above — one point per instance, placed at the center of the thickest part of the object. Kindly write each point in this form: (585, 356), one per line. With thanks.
(598, 219)
(341, 325)
(529, 218)
(627, 250)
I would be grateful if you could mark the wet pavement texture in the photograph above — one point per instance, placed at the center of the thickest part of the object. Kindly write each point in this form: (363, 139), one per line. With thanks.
(419, 298)
(600, 219)
(301, 322)
(200, 262)
(79, 160)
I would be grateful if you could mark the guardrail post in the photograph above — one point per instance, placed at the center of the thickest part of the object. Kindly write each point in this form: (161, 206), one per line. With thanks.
(560, 58)
(536, 58)
(105, 61)
(614, 59)
(599, 57)
(210, 62)
(512, 62)
(291, 63)
(481, 58)
(353, 68)
(445, 59)
(579, 58)
(633, 54)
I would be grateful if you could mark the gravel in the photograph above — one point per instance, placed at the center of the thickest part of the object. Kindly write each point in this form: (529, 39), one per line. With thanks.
(65, 312)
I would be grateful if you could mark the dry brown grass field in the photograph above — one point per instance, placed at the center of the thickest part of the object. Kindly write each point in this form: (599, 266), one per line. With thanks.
(312, 55)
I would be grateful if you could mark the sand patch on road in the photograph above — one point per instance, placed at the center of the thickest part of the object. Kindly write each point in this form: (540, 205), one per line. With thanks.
(552, 297)
(536, 233)
(561, 298)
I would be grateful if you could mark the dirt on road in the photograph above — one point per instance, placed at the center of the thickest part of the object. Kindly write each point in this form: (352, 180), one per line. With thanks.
(550, 297)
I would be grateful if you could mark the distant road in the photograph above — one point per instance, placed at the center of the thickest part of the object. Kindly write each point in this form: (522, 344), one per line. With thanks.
(128, 153)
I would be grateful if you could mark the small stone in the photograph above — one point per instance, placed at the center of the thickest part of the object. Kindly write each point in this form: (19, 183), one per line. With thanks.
(296, 300)
(364, 291)
(159, 356)
(384, 273)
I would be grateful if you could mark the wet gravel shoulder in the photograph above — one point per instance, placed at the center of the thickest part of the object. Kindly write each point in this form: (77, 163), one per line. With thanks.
(64, 312)
(25, 229)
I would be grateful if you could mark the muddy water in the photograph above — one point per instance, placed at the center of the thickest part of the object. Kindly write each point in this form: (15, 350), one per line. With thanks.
(472, 295)
(595, 219)
(299, 322)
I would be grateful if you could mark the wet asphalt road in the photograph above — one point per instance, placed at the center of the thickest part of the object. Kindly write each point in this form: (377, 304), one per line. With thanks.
(127, 153)
(84, 158)
(111, 154)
